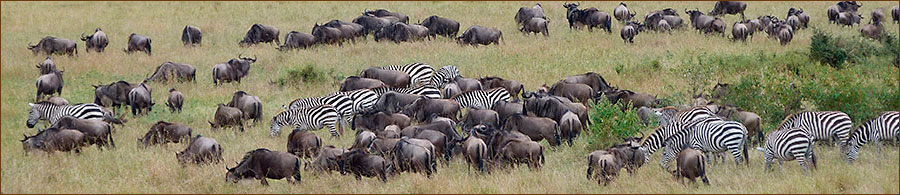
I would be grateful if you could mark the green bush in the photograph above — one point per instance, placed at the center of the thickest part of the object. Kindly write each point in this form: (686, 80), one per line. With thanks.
(308, 74)
(610, 124)
(825, 51)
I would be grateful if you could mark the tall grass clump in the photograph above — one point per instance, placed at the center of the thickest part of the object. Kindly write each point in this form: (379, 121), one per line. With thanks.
(610, 123)
(308, 74)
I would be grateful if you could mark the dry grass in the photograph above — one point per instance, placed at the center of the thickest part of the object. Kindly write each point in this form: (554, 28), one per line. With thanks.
(533, 60)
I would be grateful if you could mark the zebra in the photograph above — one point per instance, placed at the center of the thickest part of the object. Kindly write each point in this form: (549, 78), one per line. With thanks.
(419, 73)
(307, 119)
(444, 76)
(52, 113)
(789, 144)
(884, 127)
(428, 91)
(709, 137)
(481, 99)
(657, 139)
(342, 103)
(363, 99)
(821, 125)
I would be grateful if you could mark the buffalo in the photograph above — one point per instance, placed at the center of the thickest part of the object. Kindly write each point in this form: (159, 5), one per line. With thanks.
(233, 70)
(97, 41)
(95, 132)
(480, 35)
(138, 42)
(140, 98)
(171, 71)
(385, 13)
(49, 84)
(536, 25)
(47, 66)
(54, 139)
(249, 105)
(263, 163)
(200, 150)
(191, 35)
(297, 40)
(175, 101)
(51, 45)
(259, 33)
(729, 7)
(304, 144)
(440, 26)
(226, 116)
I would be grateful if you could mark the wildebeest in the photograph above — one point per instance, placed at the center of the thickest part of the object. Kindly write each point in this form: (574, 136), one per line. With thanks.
(327, 35)
(297, 40)
(849, 18)
(663, 26)
(191, 35)
(54, 139)
(895, 14)
(607, 163)
(354, 82)
(394, 102)
(575, 92)
(171, 71)
(526, 13)
(364, 139)
(164, 132)
(233, 70)
(401, 32)
(536, 128)
(304, 144)
(635, 99)
(476, 117)
(594, 18)
(592, 79)
(704, 23)
(630, 31)
(226, 116)
(506, 109)
(440, 26)
(140, 98)
(49, 84)
(691, 164)
(59, 101)
(95, 132)
(729, 7)
(391, 78)
(511, 86)
(250, 105)
(200, 150)
(259, 33)
(175, 100)
(569, 127)
(361, 163)
(794, 21)
(371, 23)
(263, 163)
(97, 41)
(326, 161)
(475, 151)
(622, 14)
(114, 94)
(536, 25)
(785, 33)
(739, 31)
(385, 13)
(377, 121)
(522, 151)
(138, 42)
(47, 66)
(51, 45)
(475, 35)
(349, 31)
(653, 20)
(802, 16)
(877, 16)
(872, 30)
(407, 156)
(571, 15)
(424, 107)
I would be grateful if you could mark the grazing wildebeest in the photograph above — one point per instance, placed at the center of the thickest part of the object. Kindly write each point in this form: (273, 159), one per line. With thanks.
(636, 99)
(480, 35)
(137, 42)
(607, 163)
(361, 163)
(594, 18)
(522, 151)
(250, 105)
(407, 156)
(354, 82)
(630, 31)
(476, 117)
(114, 94)
(297, 40)
(233, 70)
(259, 33)
(385, 13)
(536, 25)
(704, 23)
(592, 79)
(201, 150)
(95, 132)
(171, 70)
(191, 35)
(401, 32)
(47, 66)
(226, 116)
(59, 101)
(349, 31)
(263, 163)
(802, 16)
(576, 92)
(304, 144)
(849, 18)
(691, 164)
(391, 78)
(654, 19)
(424, 107)
(326, 161)
(526, 13)
(511, 86)
(536, 128)
(51, 45)
(371, 23)
(140, 98)
(49, 84)
(175, 101)
(785, 33)
(729, 7)
(327, 35)
(97, 41)
(440, 26)
(164, 132)
(739, 31)
(622, 14)
(377, 121)
(54, 139)
(393, 102)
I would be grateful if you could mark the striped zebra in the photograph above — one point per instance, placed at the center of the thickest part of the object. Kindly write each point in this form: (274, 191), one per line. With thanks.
(710, 137)
(787, 145)
(428, 91)
(444, 76)
(52, 113)
(307, 119)
(481, 99)
(363, 99)
(883, 128)
(825, 125)
(419, 73)
(657, 139)
(343, 104)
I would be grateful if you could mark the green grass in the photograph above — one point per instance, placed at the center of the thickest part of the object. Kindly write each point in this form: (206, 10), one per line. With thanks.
(668, 65)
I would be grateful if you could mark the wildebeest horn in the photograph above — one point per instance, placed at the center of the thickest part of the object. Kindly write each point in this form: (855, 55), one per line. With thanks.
(254, 57)
(29, 44)
(240, 55)
(82, 35)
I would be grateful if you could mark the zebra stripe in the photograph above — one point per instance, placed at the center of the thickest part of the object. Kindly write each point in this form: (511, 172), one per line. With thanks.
(835, 125)
(428, 91)
(787, 145)
(481, 99)
(52, 113)
(708, 137)
(419, 73)
(883, 128)
(444, 76)
(343, 104)
(306, 119)
(657, 139)
(363, 99)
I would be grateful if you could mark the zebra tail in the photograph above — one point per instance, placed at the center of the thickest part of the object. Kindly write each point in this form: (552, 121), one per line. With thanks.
(746, 156)
(812, 156)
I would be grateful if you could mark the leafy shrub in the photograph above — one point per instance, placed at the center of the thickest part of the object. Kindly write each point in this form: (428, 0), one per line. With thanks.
(308, 73)
(610, 124)
(824, 50)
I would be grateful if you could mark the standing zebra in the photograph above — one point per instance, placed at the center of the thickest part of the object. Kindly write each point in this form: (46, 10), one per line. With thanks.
(481, 99)
(363, 99)
(825, 125)
(428, 91)
(52, 113)
(342, 103)
(419, 73)
(657, 139)
(883, 128)
(789, 144)
(709, 137)
(444, 76)
(307, 119)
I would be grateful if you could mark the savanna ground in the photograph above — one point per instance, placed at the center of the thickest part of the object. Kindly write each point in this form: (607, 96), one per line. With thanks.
(669, 65)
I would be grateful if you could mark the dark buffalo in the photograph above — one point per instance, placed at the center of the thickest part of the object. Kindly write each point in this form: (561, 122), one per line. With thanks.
(729, 7)
(259, 33)
(97, 41)
(440, 26)
(480, 35)
(200, 150)
(233, 70)
(175, 101)
(263, 163)
(527, 13)
(54, 139)
(250, 105)
(171, 70)
(51, 45)
(49, 84)
(385, 13)
(191, 35)
(137, 42)
(297, 40)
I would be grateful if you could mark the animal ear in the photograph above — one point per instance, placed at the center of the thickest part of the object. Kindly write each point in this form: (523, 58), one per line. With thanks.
(30, 105)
